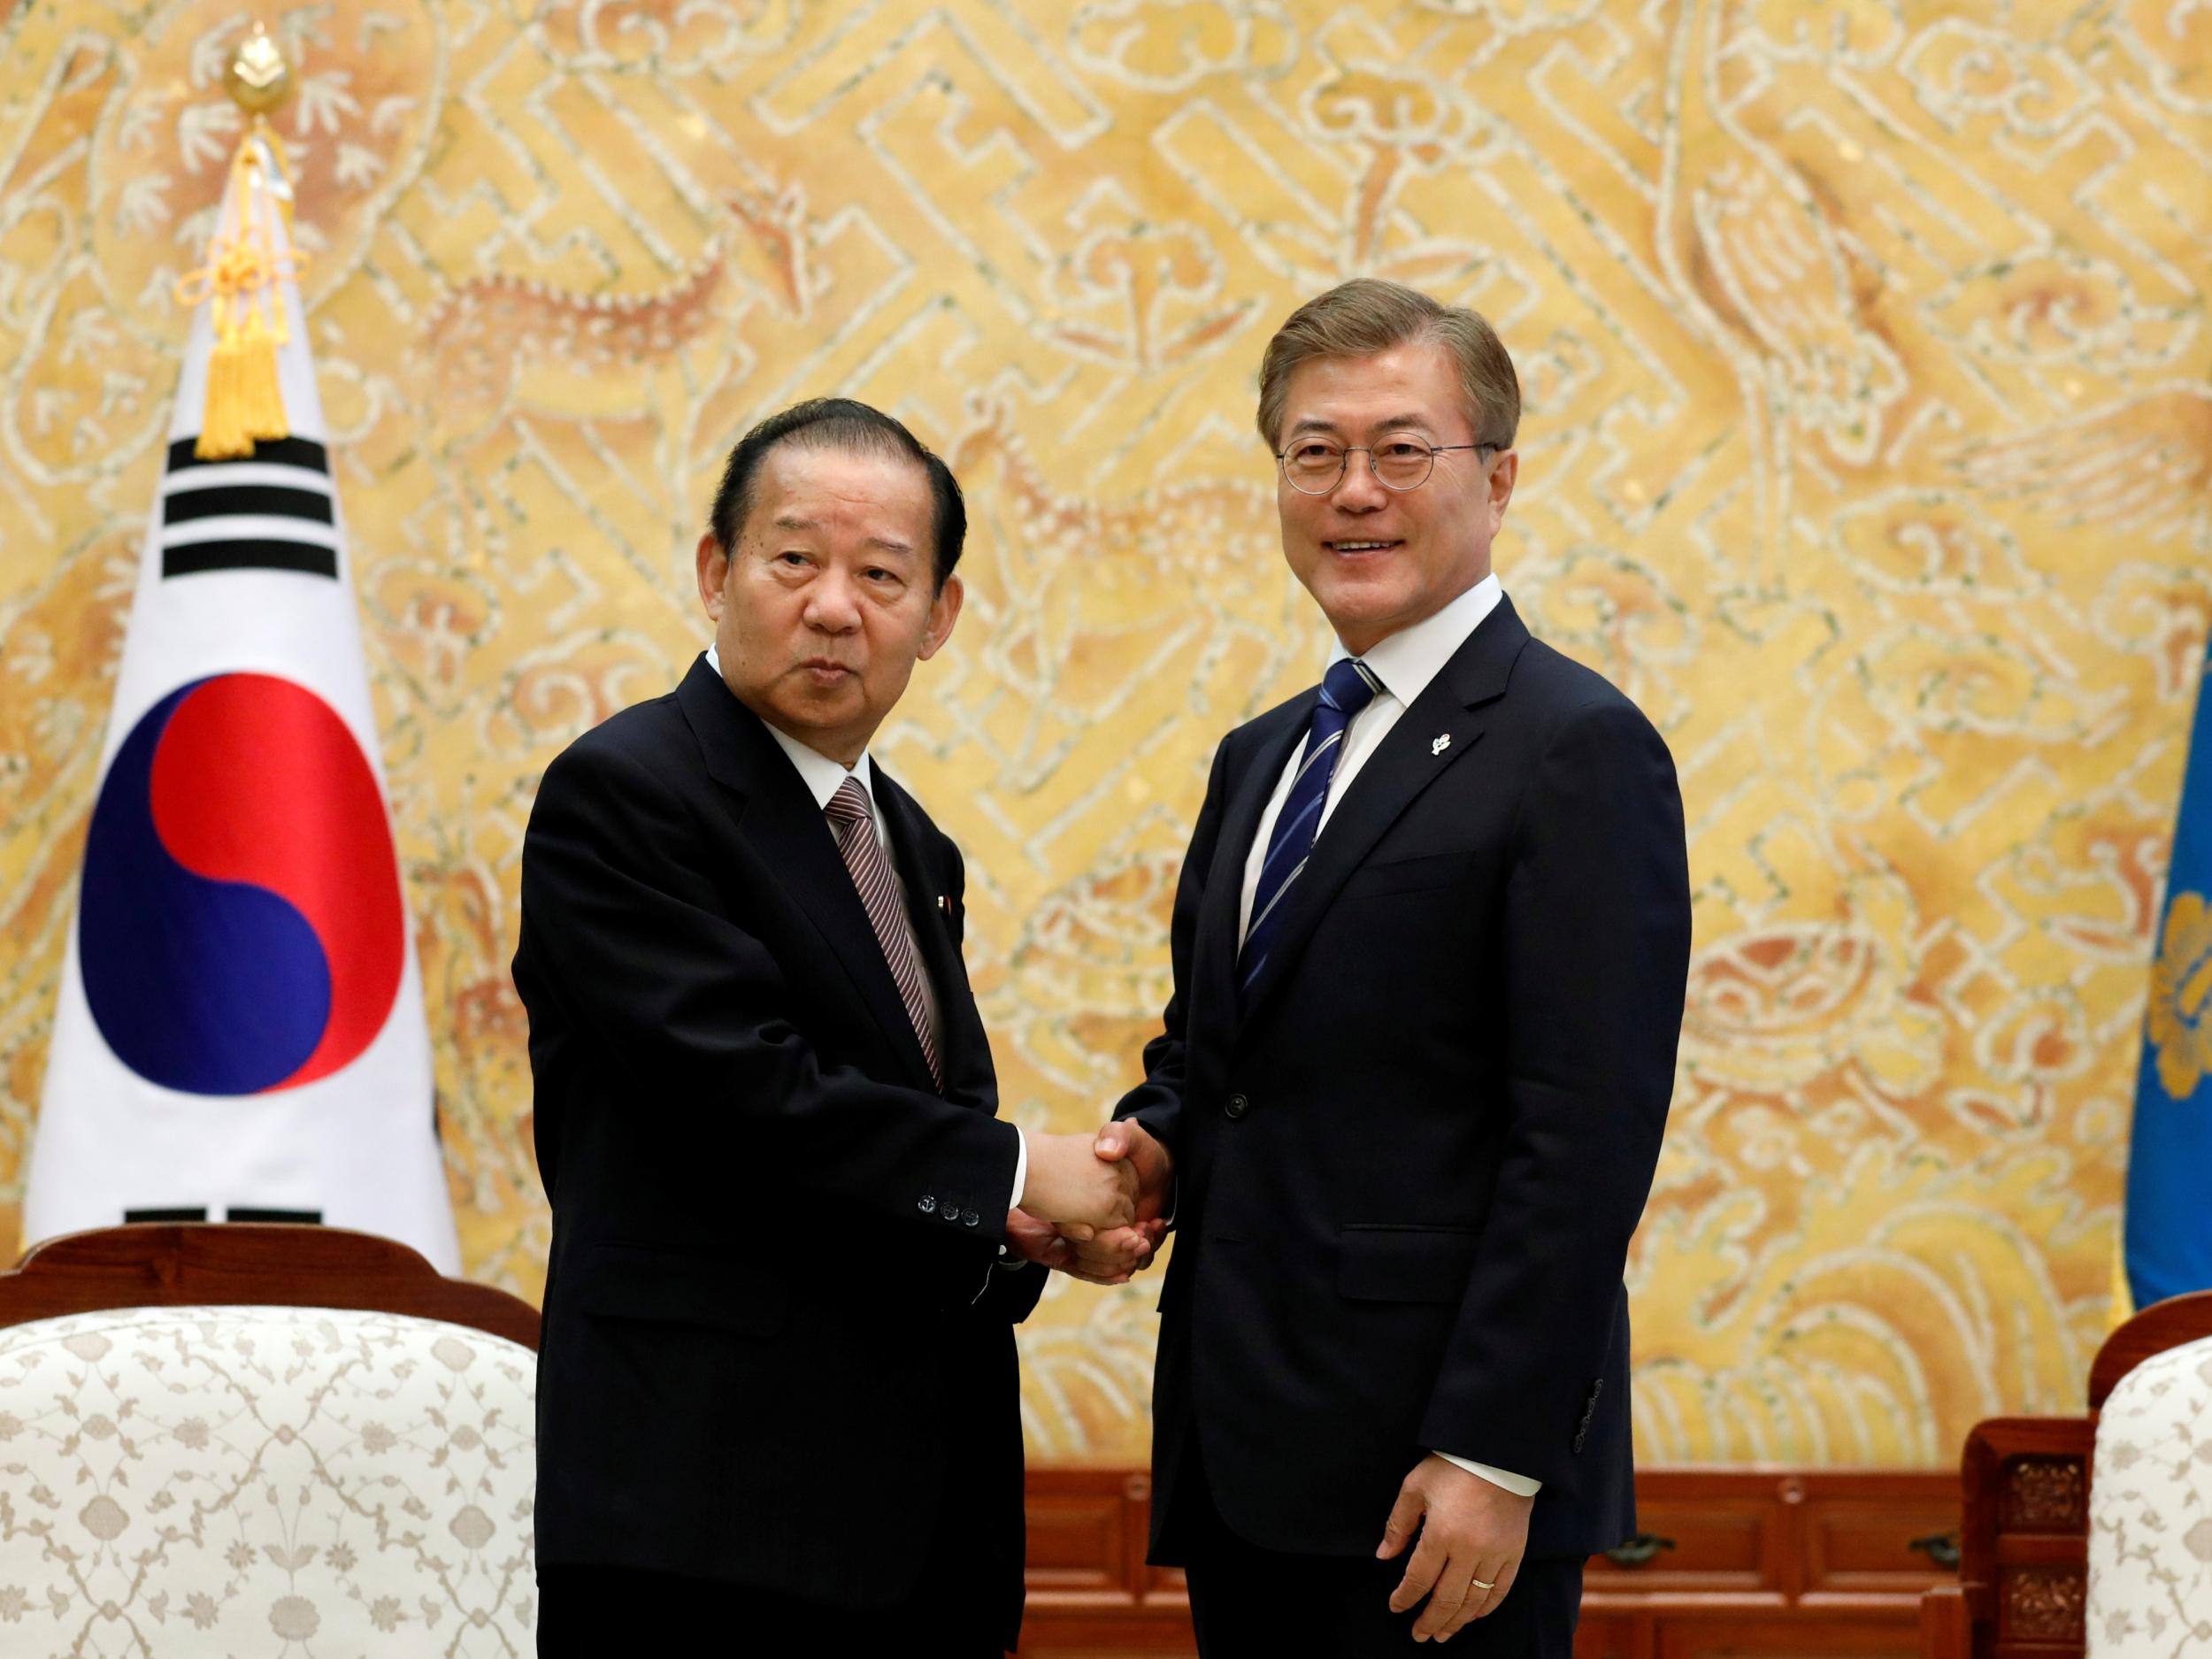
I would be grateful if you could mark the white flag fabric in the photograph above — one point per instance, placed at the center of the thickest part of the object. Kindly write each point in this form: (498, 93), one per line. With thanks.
(239, 1034)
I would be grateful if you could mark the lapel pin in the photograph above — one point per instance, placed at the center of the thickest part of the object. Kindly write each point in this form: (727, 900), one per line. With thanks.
(1443, 743)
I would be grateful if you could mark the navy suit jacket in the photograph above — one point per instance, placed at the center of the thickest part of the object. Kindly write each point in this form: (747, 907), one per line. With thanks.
(770, 1227)
(1410, 1160)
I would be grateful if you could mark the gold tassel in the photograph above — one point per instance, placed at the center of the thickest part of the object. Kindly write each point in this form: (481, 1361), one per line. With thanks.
(245, 397)
(223, 434)
(2122, 1308)
(261, 402)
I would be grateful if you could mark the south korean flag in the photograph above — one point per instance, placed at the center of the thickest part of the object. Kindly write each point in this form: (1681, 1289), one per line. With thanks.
(239, 1034)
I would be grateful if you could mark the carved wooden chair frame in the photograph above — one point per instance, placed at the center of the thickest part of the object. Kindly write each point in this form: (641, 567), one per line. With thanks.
(166, 1264)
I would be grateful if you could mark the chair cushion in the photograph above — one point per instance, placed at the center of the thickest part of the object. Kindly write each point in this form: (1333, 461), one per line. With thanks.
(2150, 1512)
(216, 1481)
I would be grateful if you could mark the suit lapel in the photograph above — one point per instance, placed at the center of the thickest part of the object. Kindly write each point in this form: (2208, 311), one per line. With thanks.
(788, 829)
(1441, 728)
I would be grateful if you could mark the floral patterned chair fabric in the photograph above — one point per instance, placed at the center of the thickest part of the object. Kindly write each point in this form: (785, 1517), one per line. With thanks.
(2150, 1512)
(215, 1481)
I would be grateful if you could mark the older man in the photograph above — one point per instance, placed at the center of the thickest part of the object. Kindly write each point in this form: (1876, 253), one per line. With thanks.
(1430, 947)
(777, 1396)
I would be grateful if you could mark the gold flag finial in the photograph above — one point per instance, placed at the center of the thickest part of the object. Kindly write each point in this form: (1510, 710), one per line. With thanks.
(256, 77)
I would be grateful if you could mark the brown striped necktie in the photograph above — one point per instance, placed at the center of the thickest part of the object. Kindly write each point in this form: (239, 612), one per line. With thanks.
(878, 885)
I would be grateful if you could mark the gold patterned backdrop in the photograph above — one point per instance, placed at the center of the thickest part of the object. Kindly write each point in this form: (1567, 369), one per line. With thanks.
(1869, 428)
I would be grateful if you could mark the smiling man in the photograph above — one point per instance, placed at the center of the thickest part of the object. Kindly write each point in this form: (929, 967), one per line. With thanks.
(1430, 946)
(740, 957)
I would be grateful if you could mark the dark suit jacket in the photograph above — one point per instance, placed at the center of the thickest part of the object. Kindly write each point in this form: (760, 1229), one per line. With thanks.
(1410, 1160)
(765, 1360)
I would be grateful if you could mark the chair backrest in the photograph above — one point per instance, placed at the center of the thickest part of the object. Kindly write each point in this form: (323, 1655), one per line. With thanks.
(249, 1264)
(2150, 1511)
(223, 1440)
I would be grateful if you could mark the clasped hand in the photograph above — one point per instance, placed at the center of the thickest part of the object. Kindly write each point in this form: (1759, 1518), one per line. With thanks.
(1106, 1248)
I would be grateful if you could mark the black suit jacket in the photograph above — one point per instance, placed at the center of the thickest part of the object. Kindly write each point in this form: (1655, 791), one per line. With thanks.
(765, 1356)
(1410, 1160)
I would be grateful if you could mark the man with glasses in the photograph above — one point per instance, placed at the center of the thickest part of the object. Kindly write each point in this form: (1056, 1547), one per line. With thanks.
(1430, 947)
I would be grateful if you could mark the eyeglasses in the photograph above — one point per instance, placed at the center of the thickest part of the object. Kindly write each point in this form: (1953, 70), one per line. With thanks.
(1314, 466)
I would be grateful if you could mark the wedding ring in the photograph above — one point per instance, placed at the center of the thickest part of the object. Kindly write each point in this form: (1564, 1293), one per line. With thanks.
(1480, 1584)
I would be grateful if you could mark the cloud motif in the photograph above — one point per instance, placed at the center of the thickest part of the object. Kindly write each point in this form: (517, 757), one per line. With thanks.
(1171, 45)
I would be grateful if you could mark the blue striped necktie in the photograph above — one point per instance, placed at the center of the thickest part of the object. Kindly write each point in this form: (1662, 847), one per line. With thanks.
(1349, 686)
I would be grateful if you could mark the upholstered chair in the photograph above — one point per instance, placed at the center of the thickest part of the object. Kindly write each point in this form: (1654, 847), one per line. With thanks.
(2150, 1512)
(2092, 1535)
(230, 1477)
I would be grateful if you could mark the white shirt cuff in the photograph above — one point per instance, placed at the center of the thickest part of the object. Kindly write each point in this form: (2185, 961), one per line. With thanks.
(1519, 1485)
(1006, 1257)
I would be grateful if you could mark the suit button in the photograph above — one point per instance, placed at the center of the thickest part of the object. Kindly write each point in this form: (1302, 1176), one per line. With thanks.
(969, 1219)
(926, 1204)
(1237, 1107)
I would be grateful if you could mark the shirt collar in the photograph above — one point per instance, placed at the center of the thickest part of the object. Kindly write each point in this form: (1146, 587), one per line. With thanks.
(1409, 659)
(821, 775)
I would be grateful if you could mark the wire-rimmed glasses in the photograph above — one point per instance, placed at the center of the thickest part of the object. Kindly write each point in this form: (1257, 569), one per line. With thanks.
(1315, 466)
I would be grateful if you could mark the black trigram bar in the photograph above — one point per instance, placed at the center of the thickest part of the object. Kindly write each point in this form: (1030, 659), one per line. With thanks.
(282, 451)
(265, 500)
(260, 553)
(269, 548)
(237, 1213)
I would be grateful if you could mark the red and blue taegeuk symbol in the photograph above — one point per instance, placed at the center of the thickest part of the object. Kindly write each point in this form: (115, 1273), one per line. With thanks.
(240, 927)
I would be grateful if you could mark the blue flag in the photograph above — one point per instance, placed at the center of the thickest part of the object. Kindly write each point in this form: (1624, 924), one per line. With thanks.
(2169, 1161)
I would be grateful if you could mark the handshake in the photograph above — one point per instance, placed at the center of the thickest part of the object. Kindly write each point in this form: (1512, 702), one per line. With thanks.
(1094, 1206)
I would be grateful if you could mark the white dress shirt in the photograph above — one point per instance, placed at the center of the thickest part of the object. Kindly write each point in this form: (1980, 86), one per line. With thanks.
(823, 777)
(1404, 662)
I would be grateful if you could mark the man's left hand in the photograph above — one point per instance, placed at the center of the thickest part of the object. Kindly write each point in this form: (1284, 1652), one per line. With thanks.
(1108, 1259)
(1473, 1534)
(1035, 1241)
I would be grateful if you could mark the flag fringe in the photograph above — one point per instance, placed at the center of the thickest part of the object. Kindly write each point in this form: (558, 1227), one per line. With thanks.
(245, 400)
(2122, 1307)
